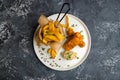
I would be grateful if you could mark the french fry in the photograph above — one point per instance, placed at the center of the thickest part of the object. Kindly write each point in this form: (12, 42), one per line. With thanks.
(45, 28)
(63, 25)
(52, 38)
(49, 50)
(59, 36)
(67, 22)
(52, 52)
(69, 30)
(51, 26)
(46, 32)
(45, 41)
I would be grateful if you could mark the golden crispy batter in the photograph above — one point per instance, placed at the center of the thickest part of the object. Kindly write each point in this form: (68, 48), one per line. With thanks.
(82, 44)
(73, 41)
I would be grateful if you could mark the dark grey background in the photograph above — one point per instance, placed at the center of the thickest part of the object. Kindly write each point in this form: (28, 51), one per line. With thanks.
(18, 21)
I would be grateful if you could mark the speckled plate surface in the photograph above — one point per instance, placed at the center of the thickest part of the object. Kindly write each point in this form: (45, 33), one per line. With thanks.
(59, 63)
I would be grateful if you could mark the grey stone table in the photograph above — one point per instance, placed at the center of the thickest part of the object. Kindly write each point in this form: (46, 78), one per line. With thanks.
(18, 21)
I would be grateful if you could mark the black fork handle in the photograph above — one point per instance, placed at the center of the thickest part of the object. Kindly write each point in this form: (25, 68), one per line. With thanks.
(68, 5)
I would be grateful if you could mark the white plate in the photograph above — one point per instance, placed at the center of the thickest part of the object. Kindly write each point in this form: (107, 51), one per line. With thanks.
(59, 63)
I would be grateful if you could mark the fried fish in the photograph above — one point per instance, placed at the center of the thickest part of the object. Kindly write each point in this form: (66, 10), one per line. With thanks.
(73, 41)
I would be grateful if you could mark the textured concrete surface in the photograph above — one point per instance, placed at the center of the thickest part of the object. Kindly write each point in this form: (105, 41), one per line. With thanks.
(18, 21)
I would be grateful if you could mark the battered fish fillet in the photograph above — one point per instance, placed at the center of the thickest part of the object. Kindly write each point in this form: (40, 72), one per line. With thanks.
(73, 41)
(82, 44)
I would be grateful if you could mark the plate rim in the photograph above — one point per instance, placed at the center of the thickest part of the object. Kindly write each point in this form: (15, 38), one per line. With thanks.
(88, 49)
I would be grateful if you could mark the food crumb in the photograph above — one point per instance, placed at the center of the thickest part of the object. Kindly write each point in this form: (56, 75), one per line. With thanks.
(83, 36)
(68, 65)
(50, 57)
(81, 31)
(41, 53)
(77, 57)
(45, 59)
(59, 58)
(43, 49)
(41, 57)
(73, 25)
(56, 64)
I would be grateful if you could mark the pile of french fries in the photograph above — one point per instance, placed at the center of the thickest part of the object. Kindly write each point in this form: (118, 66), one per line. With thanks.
(49, 33)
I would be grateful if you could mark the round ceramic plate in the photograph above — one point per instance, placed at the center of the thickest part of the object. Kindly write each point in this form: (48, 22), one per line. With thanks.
(60, 63)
